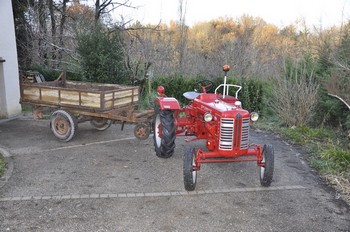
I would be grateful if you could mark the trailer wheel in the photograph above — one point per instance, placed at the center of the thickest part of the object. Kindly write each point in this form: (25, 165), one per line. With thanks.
(63, 125)
(266, 171)
(141, 131)
(101, 124)
(190, 175)
(164, 133)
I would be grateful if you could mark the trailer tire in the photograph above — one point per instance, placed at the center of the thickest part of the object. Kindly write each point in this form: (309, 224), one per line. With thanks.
(190, 175)
(142, 131)
(63, 125)
(163, 124)
(266, 172)
(101, 124)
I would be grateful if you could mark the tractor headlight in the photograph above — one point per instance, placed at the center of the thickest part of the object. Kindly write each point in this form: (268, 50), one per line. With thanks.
(208, 117)
(254, 116)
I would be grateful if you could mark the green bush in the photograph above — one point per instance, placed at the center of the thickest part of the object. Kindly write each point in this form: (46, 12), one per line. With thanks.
(53, 74)
(102, 57)
(331, 112)
(175, 86)
(251, 94)
(147, 100)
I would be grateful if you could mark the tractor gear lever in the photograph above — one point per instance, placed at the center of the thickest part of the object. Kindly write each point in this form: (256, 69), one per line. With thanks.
(226, 69)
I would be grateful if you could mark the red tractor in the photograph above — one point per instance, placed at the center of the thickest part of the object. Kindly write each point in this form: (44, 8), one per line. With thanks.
(215, 117)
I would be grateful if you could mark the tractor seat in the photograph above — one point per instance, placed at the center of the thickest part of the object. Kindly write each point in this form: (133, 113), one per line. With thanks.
(191, 95)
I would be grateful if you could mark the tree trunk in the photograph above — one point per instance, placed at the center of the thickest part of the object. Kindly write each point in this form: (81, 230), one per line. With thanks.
(42, 31)
(182, 34)
(62, 24)
(53, 33)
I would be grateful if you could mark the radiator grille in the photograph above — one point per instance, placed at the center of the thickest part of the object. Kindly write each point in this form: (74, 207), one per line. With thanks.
(226, 134)
(245, 133)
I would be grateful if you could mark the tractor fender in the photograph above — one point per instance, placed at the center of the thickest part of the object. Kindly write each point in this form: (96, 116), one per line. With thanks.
(168, 103)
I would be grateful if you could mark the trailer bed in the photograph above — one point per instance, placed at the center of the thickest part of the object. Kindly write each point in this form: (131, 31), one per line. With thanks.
(79, 95)
(73, 102)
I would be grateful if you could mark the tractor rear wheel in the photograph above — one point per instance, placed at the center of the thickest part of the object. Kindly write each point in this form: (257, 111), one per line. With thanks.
(266, 171)
(164, 133)
(190, 175)
(63, 125)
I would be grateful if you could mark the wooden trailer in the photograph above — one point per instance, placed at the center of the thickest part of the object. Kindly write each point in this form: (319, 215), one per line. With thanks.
(72, 102)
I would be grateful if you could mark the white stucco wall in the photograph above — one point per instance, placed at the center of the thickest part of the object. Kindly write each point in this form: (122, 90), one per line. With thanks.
(9, 79)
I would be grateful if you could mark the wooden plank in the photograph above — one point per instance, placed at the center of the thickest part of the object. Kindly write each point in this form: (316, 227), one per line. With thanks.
(90, 99)
(109, 96)
(31, 93)
(122, 94)
(49, 95)
(109, 104)
(136, 98)
(69, 97)
(122, 101)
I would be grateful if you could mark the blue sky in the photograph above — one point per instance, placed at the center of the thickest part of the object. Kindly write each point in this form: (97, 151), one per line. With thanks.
(279, 12)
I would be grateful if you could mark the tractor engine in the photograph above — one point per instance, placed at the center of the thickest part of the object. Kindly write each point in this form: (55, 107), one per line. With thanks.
(223, 123)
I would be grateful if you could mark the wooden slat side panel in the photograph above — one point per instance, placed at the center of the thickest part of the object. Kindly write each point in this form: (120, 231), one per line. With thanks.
(49, 96)
(136, 98)
(69, 97)
(90, 100)
(109, 100)
(108, 96)
(31, 93)
(122, 94)
(122, 101)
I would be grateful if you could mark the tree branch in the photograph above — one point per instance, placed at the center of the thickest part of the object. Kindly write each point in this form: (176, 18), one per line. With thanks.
(336, 96)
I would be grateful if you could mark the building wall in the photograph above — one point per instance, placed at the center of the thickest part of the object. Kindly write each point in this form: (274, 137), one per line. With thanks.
(9, 77)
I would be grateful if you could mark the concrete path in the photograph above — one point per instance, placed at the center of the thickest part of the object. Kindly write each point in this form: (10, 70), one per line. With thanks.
(110, 181)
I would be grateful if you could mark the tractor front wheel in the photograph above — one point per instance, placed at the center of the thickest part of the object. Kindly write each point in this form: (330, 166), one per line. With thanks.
(266, 171)
(190, 175)
(164, 133)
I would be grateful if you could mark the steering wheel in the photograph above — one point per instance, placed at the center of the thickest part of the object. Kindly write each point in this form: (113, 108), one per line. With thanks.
(205, 86)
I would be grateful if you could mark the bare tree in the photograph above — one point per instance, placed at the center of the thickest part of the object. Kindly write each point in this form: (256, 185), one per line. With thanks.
(182, 33)
(103, 7)
(42, 15)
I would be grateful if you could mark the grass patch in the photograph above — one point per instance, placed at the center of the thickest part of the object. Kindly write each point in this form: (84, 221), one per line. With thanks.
(267, 124)
(329, 151)
(2, 165)
(334, 160)
(26, 108)
(46, 111)
(305, 135)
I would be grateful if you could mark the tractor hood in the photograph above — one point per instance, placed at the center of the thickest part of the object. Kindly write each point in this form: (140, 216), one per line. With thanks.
(215, 105)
